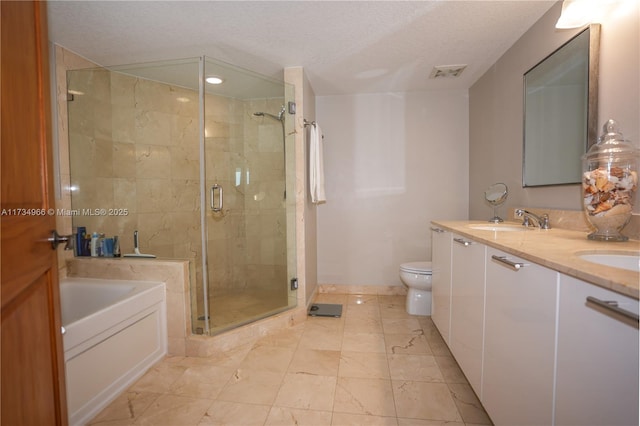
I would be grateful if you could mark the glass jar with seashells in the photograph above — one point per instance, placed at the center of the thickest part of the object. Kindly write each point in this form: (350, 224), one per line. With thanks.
(609, 183)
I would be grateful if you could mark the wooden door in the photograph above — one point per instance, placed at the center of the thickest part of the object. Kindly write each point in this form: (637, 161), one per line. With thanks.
(32, 374)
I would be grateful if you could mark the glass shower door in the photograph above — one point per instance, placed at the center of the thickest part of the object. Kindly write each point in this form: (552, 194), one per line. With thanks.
(248, 218)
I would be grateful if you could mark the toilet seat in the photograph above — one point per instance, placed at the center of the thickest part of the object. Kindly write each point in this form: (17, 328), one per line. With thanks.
(420, 268)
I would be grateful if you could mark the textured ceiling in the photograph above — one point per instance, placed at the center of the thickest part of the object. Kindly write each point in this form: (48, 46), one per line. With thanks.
(344, 46)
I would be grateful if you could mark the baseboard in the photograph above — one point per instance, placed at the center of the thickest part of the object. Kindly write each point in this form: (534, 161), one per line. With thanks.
(379, 290)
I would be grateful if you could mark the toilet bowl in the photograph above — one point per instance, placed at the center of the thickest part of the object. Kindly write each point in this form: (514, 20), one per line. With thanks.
(417, 276)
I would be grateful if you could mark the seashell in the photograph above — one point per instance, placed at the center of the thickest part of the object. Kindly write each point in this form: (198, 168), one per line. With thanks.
(617, 172)
(601, 181)
(602, 207)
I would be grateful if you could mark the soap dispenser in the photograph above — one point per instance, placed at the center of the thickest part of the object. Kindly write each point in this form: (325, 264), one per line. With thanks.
(609, 183)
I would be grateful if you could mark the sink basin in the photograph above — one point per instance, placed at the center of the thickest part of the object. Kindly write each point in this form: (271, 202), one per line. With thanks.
(498, 228)
(624, 261)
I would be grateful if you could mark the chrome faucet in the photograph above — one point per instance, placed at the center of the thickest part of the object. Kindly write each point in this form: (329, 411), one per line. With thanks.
(540, 221)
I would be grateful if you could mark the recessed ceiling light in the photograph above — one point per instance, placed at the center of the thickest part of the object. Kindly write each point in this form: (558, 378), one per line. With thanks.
(214, 80)
(450, 71)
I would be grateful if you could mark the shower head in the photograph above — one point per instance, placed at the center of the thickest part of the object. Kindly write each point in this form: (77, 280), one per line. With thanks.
(279, 117)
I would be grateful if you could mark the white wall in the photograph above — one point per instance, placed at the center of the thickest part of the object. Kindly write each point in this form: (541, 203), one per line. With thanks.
(495, 106)
(393, 162)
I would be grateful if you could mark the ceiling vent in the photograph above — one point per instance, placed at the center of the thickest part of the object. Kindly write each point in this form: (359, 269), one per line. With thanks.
(447, 71)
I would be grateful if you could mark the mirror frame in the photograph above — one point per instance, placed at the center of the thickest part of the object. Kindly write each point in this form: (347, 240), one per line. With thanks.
(592, 101)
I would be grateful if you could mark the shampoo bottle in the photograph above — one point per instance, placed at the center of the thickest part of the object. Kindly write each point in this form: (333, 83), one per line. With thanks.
(94, 244)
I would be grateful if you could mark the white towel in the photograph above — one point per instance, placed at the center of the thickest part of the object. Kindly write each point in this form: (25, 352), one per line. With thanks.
(316, 166)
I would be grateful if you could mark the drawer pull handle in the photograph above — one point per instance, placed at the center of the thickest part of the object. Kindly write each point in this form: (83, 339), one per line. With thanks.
(612, 305)
(438, 230)
(508, 263)
(462, 241)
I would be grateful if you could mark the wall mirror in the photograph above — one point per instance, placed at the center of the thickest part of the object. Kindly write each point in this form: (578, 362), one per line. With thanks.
(560, 111)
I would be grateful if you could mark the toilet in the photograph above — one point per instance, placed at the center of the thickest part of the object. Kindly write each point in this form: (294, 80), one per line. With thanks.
(417, 276)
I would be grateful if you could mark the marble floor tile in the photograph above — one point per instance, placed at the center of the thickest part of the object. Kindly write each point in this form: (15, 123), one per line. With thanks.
(125, 409)
(282, 416)
(315, 361)
(450, 370)
(286, 339)
(363, 342)
(252, 386)
(408, 344)
(363, 324)
(425, 422)
(364, 365)
(329, 340)
(234, 413)
(364, 396)
(468, 404)
(159, 378)
(418, 368)
(423, 400)
(401, 326)
(390, 307)
(268, 359)
(345, 419)
(376, 365)
(339, 299)
(171, 410)
(307, 392)
(363, 299)
(201, 381)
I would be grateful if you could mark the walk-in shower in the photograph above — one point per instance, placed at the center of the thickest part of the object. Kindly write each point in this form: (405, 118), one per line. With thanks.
(199, 170)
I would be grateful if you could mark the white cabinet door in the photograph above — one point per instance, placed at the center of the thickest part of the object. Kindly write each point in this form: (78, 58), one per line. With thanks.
(519, 347)
(441, 280)
(467, 307)
(597, 378)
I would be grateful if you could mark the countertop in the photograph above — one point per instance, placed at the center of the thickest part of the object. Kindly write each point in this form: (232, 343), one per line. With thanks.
(557, 249)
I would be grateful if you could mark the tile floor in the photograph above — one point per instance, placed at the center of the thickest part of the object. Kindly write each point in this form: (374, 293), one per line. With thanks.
(376, 365)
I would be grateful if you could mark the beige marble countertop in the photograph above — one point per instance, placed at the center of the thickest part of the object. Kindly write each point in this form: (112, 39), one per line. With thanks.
(557, 249)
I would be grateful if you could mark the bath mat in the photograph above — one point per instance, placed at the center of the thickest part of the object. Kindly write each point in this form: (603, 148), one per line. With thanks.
(325, 310)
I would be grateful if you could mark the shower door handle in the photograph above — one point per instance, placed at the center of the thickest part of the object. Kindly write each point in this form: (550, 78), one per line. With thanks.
(213, 194)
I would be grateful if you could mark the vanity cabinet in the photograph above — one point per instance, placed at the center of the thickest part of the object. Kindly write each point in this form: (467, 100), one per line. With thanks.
(519, 343)
(441, 281)
(467, 307)
(597, 364)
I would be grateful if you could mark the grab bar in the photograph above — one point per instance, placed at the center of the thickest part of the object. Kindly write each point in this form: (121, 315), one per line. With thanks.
(213, 193)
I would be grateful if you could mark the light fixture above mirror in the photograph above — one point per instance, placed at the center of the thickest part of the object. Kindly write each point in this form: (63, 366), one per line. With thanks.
(577, 13)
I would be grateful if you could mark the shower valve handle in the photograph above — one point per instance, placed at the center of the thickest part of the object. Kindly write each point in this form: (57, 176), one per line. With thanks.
(213, 193)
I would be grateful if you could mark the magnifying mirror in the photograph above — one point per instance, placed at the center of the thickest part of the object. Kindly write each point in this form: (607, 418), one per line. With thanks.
(496, 195)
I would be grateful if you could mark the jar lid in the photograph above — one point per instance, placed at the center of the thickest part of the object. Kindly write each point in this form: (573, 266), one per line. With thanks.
(611, 143)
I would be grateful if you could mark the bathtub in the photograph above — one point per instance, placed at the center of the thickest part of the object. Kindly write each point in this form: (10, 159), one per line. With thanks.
(114, 331)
